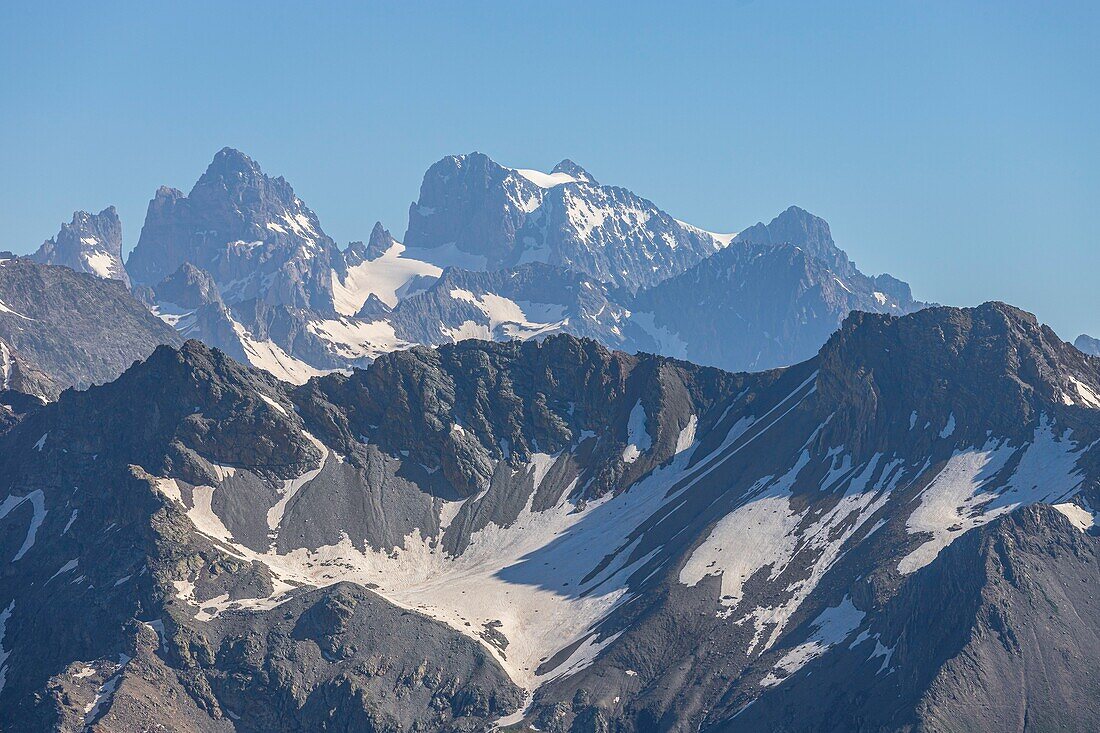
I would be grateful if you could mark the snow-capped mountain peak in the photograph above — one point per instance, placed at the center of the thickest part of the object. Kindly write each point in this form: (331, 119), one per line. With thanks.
(89, 243)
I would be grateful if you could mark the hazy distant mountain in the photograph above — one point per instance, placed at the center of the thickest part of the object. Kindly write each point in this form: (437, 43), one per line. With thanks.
(248, 230)
(1088, 344)
(475, 213)
(90, 243)
(769, 299)
(60, 328)
(492, 252)
(554, 534)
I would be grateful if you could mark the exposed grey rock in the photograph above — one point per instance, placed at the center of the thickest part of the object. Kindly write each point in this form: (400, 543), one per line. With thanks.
(1087, 344)
(993, 635)
(249, 231)
(90, 243)
(499, 218)
(60, 328)
(763, 302)
(737, 547)
(188, 287)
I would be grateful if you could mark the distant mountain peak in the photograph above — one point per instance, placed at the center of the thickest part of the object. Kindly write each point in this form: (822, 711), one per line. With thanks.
(231, 160)
(248, 230)
(1087, 344)
(90, 243)
(380, 241)
(472, 209)
(794, 226)
(570, 168)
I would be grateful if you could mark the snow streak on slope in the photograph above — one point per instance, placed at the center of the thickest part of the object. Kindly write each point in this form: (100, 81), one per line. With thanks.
(968, 494)
(267, 355)
(506, 318)
(355, 339)
(386, 277)
(833, 626)
(524, 580)
(545, 180)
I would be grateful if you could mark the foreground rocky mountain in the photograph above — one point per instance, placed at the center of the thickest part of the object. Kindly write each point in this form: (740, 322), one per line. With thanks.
(60, 328)
(490, 252)
(549, 533)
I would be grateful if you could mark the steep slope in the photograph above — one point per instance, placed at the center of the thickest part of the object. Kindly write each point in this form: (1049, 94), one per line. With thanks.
(477, 214)
(628, 542)
(248, 230)
(770, 299)
(60, 328)
(519, 245)
(90, 243)
(997, 633)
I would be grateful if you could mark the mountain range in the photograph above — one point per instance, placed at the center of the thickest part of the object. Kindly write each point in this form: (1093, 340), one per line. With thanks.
(492, 252)
(896, 534)
(555, 461)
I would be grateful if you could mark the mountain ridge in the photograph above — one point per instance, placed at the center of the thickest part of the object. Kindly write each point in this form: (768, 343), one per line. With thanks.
(605, 505)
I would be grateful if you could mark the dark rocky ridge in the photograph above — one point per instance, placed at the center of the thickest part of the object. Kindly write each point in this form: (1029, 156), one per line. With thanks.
(422, 427)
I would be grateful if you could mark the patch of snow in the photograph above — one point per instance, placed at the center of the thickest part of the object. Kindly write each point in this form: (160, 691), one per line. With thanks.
(508, 319)
(1078, 516)
(545, 180)
(966, 494)
(687, 435)
(721, 240)
(527, 577)
(72, 518)
(1087, 396)
(638, 439)
(4, 653)
(38, 503)
(669, 342)
(351, 338)
(384, 277)
(833, 626)
(291, 486)
(270, 357)
(7, 366)
(949, 428)
(100, 263)
(5, 309)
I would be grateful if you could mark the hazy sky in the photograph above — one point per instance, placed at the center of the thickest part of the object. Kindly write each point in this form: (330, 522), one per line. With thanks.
(955, 147)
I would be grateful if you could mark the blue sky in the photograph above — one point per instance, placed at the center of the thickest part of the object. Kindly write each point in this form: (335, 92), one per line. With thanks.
(956, 146)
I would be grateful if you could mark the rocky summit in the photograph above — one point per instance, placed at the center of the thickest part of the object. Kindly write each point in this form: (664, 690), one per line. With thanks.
(491, 252)
(90, 243)
(895, 534)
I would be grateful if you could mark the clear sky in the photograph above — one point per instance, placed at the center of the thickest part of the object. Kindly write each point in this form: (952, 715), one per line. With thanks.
(954, 145)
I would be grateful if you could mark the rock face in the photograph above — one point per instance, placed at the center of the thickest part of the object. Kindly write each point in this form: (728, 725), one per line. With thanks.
(1087, 344)
(475, 213)
(550, 533)
(249, 231)
(491, 252)
(90, 243)
(769, 299)
(60, 328)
